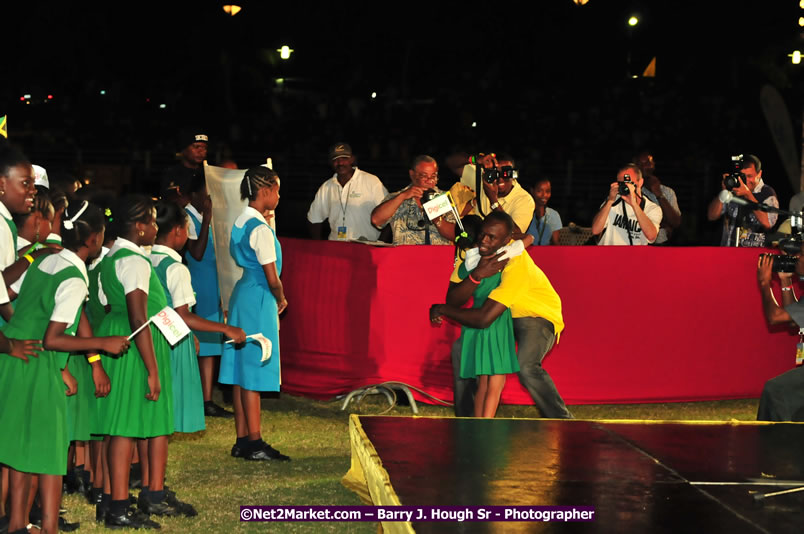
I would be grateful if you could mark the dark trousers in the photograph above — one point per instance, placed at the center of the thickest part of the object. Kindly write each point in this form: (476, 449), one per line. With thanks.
(535, 338)
(783, 397)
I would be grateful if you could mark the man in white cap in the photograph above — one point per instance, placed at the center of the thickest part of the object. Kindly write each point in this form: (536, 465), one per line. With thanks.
(346, 199)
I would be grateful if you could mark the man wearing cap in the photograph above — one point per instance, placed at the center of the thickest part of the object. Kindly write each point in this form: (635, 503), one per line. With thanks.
(346, 199)
(191, 163)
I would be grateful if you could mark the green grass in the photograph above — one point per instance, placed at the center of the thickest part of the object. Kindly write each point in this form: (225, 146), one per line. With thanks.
(315, 435)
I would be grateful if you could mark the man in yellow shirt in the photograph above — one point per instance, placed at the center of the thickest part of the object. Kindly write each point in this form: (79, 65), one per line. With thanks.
(535, 308)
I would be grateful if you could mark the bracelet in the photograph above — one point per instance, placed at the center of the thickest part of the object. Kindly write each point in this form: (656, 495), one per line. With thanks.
(788, 288)
(473, 280)
(29, 258)
(94, 358)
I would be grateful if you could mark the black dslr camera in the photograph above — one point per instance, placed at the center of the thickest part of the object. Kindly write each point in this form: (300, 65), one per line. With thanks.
(623, 189)
(735, 174)
(506, 172)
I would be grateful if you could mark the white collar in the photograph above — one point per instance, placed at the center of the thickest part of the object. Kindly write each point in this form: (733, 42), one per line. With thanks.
(353, 178)
(22, 242)
(759, 186)
(73, 258)
(122, 242)
(4, 211)
(162, 249)
(189, 208)
(254, 214)
(96, 261)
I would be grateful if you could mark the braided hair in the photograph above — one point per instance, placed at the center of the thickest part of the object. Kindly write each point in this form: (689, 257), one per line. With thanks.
(255, 179)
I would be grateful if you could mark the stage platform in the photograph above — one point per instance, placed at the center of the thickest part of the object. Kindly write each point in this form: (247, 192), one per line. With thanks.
(640, 476)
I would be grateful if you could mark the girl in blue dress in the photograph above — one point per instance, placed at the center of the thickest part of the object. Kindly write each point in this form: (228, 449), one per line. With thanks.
(188, 401)
(255, 305)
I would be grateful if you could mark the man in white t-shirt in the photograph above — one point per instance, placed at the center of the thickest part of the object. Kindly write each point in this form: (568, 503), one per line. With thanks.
(627, 219)
(346, 200)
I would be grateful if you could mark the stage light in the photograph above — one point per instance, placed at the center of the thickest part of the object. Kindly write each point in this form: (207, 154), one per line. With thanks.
(27, 97)
(232, 9)
(50, 97)
(22, 99)
(285, 52)
(795, 57)
(580, 2)
(474, 124)
(633, 20)
(373, 95)
(162, 106)
(103, 91)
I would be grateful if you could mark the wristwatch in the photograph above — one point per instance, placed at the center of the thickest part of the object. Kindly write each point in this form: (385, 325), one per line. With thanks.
(495, 205)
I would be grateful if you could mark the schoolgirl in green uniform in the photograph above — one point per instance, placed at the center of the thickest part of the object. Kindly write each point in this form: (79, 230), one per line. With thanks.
(48, 307)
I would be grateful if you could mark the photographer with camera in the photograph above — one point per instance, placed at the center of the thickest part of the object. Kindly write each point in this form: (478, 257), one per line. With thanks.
(502, 192)
(403, 209)
(744, 226)
(627, 217)
(783, 396)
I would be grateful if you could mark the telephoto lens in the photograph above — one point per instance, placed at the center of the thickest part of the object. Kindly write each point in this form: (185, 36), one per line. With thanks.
(782, 263)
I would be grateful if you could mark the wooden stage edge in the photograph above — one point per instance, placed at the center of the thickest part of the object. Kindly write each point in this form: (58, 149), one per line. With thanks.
(639, 475)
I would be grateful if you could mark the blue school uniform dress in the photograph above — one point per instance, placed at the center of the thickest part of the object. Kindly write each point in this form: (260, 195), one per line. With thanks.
(252, 306)
(188, 397)
(204, 275)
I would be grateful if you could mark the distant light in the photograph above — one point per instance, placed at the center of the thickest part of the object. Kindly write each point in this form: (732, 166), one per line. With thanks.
(147, 99)
(280, 81)
(50, 97)
(27, 97)
(580, 2)
(634, 76)
(22, 99)
(162, 106)
(285, 52)
(103, 91)
(232, 9)
(801, 4)
(796, 57)
(28, 102)
(374, 94)
(633, 21)
(801, 21)
(474, 124)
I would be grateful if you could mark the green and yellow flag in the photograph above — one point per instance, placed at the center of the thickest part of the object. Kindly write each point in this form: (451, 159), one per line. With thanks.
(3, 126)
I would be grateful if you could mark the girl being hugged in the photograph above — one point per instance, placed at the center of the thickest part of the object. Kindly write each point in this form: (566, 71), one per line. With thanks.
(188, 399)
(255, 305)
(140, 404)
(49, 308)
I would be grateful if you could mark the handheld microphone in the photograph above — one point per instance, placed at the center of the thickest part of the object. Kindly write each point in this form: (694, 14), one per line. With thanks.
(727, 197)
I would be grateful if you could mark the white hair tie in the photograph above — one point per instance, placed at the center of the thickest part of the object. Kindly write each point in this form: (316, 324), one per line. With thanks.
(248, 183)
(68, 224)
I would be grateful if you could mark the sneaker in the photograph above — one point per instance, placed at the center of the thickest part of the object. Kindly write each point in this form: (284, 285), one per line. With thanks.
(266, 452)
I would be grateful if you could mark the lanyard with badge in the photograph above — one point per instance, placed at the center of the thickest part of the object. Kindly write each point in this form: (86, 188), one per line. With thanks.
(800, 347)
(342, 229)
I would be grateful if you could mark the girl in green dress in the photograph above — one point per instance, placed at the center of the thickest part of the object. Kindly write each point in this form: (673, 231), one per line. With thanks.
(140, 404)
(49, 307)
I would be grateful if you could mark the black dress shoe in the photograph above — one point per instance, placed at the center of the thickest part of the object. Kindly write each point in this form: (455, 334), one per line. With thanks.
(131, 519)
(237, 451)
(184, 508)
(94, 495)
(100, 512)
(266, 452)
(64, 526)
(213, 410)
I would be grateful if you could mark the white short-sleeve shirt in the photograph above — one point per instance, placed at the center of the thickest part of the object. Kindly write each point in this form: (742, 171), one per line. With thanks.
(71, 293)
(178, 276)
(350, 205)
(134, 272)
(261, 238)
(8, 254)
